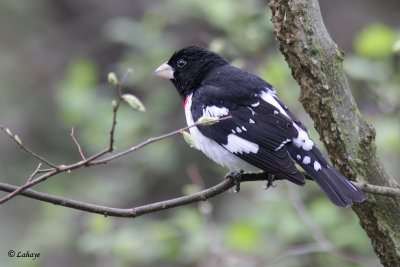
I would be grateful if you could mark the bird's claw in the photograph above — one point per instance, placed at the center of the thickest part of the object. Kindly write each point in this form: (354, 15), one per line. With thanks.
(270, 181)
(237, 177)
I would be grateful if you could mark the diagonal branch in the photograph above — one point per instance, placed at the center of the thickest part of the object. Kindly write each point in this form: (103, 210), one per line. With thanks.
(152, 140)
(26, 149)
(34, 173)
(77, 143)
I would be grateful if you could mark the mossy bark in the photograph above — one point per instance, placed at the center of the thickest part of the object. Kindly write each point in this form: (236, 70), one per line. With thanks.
(316, 64)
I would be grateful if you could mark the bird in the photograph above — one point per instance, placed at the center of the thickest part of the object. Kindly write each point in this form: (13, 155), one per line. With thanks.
(261, 134)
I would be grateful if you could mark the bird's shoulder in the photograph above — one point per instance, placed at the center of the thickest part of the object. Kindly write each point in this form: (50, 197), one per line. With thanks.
(235, 81)
(240, 91)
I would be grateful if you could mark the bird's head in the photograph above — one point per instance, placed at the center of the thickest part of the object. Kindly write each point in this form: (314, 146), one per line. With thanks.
(188, 67)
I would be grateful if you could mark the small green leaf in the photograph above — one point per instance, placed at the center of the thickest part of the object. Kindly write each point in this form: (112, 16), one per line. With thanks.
(134, 102)
(189, 139)
(208, 120)
(112, 78)
(19, 142)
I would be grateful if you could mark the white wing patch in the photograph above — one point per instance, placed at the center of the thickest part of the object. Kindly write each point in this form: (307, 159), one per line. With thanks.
(271, 90)
(269, 98)
(317, 166)
(239, 145)
(282, 144)
(251, 121)
(302, 140)
(215, 151)
(238, 129)
(252, 111)
(255, 104)
(214, 111)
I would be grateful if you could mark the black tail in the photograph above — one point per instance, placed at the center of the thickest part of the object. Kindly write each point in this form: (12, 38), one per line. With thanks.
(340, 191)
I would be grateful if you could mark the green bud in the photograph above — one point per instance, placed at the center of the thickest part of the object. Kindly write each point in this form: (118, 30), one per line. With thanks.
(134, 102)
(208, 120)
(9, 132)
(112, 78)
(189, 139)
(114, 104)
(16, 138)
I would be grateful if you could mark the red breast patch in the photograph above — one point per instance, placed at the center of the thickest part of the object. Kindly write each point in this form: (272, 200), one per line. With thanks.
(184, 103)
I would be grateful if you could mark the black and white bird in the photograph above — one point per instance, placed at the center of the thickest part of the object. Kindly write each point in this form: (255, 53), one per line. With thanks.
(262, 133)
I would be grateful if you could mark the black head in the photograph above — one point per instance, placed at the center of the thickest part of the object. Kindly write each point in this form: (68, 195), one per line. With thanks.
(188, 67)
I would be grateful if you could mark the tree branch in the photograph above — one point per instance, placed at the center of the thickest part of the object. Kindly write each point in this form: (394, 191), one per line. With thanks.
(316, 64)
(131, 212)
(171, 203)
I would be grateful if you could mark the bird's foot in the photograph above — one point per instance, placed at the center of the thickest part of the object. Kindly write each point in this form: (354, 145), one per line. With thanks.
(270, 181)
(237, 177)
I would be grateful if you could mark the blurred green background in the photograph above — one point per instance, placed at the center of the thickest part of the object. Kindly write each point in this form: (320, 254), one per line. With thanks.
(54, 60)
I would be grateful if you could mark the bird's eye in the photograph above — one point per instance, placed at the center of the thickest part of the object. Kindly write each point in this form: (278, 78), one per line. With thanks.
(181, 63)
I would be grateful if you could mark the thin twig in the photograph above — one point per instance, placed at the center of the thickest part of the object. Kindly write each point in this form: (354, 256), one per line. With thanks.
(34, 173)
(77, 143)
(151, 140)
(295, 251)
(124, 78)
(113, 125)
(115, 108)
(26, 149)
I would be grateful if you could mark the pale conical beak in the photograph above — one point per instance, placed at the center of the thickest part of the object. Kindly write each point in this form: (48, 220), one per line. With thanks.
(165, 71)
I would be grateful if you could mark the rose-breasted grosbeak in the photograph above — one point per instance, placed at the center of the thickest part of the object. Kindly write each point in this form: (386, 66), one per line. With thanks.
(263, 134)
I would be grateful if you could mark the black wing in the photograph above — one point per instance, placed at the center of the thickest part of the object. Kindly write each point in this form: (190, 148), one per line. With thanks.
(254, 120)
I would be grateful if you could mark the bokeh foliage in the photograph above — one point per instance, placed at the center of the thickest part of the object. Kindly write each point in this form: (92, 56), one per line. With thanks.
(55, 60)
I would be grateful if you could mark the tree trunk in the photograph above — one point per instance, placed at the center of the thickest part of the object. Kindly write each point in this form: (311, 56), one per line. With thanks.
(316, 64)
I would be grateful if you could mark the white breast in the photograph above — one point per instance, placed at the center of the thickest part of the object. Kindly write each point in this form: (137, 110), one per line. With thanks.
(216, 152)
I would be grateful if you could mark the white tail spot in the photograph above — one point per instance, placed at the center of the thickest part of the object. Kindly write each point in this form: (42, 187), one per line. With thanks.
(307, 160)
